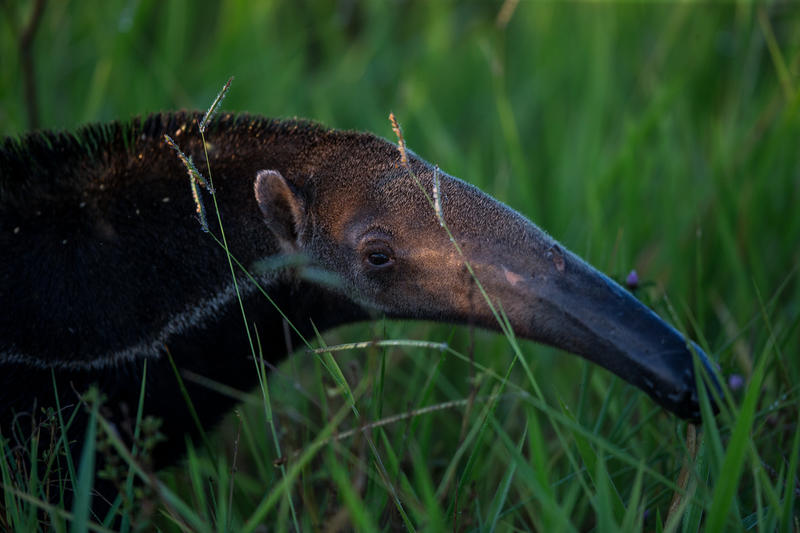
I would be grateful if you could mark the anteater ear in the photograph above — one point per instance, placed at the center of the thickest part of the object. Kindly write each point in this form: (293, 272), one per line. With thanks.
(283, 209)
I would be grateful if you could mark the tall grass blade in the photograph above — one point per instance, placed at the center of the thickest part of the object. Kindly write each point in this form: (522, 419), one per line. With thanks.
(82, 504)
(189, 404)
(338, 376)
(129, 494)
(360, 515)
(272, 497)
(434, 519)
(733, 462)
(791, 484)
(501, 495)
(634, 513)
(595, 466)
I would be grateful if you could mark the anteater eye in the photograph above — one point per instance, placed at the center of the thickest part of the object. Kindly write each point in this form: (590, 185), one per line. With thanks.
(378, 259)
(377, 254)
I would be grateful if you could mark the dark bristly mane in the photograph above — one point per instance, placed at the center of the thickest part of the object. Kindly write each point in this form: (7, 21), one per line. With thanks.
(48, 162)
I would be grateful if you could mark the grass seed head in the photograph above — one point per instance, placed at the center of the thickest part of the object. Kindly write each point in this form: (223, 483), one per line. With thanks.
(196, 179)
(215, 105)
(437, 196)
(401, 143)
(199, 206)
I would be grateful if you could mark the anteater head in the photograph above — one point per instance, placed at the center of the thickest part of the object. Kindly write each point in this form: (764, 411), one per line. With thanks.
(416, 243)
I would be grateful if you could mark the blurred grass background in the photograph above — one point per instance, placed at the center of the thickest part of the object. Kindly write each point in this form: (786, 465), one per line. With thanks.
(651, 136)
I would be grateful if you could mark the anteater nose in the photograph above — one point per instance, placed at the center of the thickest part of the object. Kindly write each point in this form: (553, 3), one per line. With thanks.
(685, 398)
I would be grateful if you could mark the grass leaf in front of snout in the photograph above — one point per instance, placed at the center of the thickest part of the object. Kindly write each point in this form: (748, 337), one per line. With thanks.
(305, 269)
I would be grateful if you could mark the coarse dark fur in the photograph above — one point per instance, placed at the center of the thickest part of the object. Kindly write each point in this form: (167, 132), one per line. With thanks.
(105, 265)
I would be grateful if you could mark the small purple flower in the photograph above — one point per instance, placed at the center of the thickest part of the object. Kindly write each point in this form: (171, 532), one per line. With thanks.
(735, 382)
(632, 281)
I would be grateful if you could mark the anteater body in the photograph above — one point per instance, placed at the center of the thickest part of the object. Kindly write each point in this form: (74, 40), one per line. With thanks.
(105, 267)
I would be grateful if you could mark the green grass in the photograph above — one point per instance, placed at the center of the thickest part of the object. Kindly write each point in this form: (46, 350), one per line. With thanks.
(649, 136)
